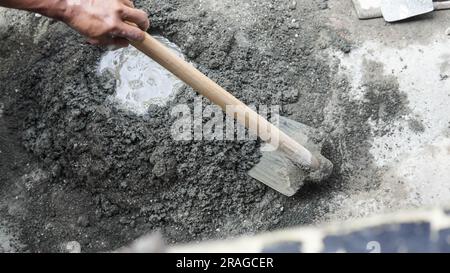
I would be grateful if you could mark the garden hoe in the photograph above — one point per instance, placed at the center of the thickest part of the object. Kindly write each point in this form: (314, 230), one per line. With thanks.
(296, 156)
(396, 10)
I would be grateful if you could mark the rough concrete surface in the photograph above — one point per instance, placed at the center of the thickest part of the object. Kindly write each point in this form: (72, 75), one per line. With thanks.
(79, 168)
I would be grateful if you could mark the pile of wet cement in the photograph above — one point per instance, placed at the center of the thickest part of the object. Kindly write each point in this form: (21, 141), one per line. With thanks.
(111, 176)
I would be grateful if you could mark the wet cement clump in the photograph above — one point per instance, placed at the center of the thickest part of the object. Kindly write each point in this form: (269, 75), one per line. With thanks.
(385, 102)
(112, 176)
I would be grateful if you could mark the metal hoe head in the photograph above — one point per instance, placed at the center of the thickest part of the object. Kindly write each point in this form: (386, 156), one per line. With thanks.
(280, 173)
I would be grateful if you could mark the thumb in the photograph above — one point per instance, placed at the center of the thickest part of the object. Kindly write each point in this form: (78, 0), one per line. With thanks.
(132, 33)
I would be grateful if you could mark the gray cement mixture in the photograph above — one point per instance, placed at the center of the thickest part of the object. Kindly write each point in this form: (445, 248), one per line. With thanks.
(95, 173)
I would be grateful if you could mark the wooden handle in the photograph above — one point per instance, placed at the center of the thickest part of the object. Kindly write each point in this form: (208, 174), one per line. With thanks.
(219, 96)
(441, 5)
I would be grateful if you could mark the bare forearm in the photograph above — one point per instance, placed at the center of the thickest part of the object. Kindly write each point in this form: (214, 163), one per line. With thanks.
(51, 8)
(103, 22)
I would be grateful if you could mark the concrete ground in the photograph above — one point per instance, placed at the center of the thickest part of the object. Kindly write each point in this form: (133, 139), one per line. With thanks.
(412, 159)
